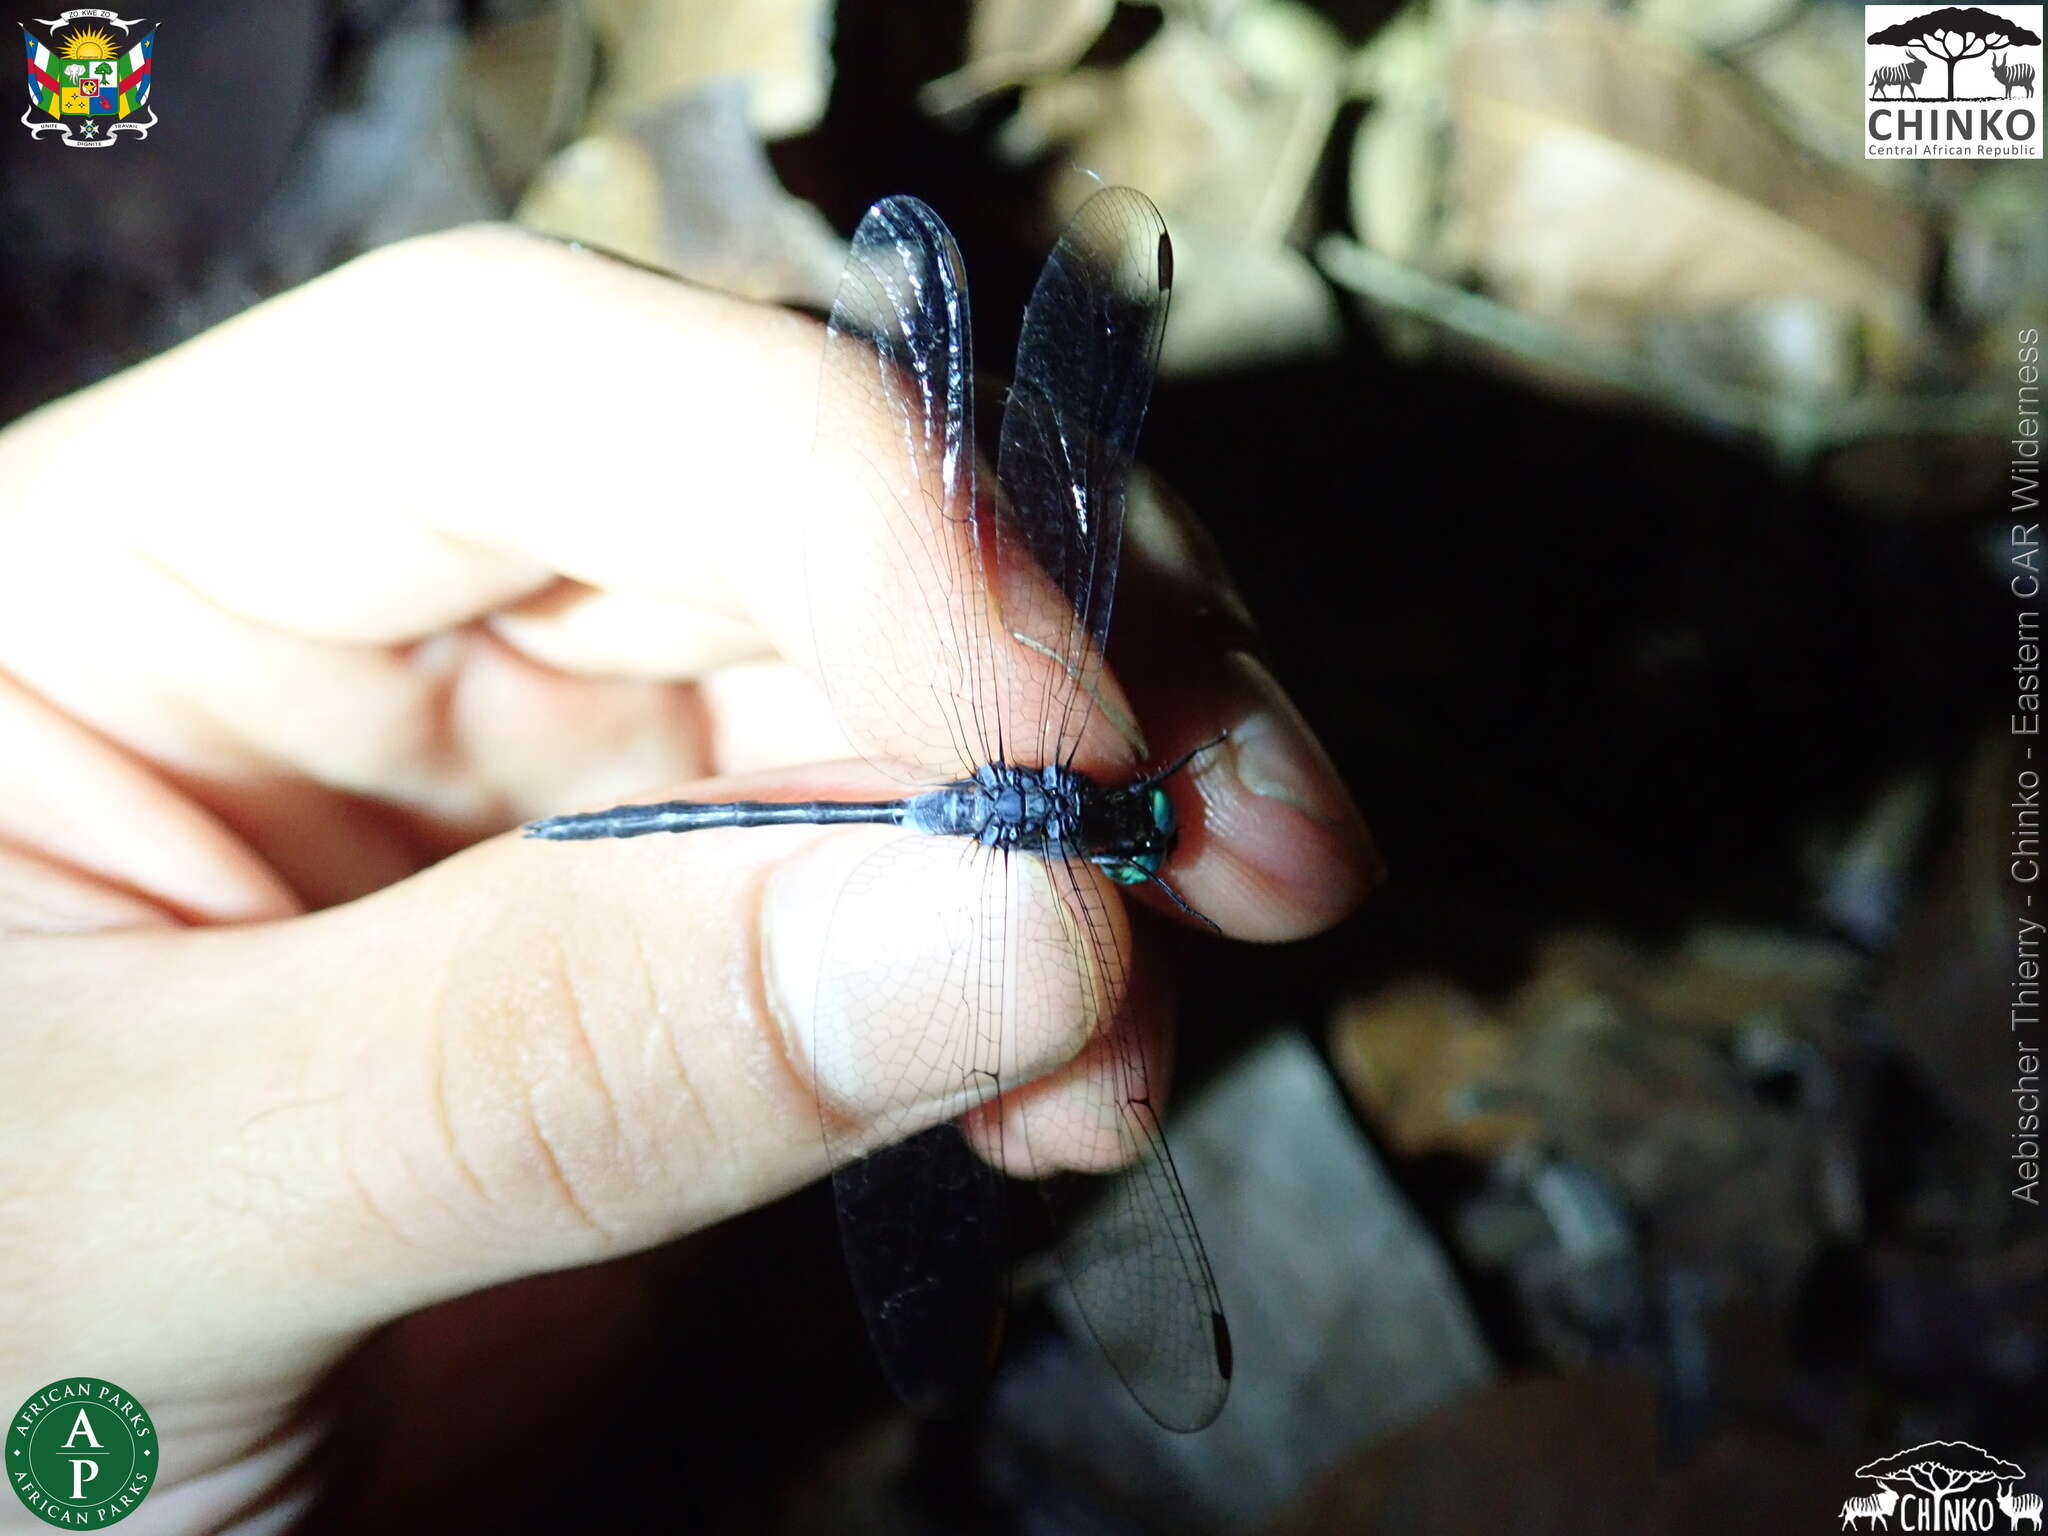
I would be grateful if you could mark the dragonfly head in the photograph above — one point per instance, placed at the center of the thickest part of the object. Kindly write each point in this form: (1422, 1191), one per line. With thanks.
(1136, 834)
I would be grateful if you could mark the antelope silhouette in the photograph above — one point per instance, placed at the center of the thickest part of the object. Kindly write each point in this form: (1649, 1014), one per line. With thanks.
(2019, 1506)
(1898, 77)
(1875, 1507)
(2009, 76)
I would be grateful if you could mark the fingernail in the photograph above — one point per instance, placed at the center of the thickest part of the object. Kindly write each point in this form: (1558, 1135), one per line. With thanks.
(1168, 536)
(1278, 758)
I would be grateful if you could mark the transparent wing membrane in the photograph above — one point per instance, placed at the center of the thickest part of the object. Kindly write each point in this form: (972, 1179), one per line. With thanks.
(998, 602)
(896, 431)
(1086, 358)
(1128, 1242)
(895, 1026)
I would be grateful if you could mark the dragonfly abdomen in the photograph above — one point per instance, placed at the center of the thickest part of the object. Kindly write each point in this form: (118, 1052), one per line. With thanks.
(698, 816)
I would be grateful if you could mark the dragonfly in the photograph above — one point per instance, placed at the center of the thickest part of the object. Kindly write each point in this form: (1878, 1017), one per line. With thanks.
(981, 689)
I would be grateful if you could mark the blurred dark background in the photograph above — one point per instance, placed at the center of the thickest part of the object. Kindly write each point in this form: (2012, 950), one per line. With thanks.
(1620, 513)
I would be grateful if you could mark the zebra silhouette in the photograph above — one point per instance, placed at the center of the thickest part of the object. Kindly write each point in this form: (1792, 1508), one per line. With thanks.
(2011, 75)
(1898, 77)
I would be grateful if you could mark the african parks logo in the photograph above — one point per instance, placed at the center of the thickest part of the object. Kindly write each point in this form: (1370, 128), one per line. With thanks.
(81, 1453)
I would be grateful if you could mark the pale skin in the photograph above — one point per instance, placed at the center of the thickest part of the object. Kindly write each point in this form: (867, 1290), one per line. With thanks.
(300, 1038)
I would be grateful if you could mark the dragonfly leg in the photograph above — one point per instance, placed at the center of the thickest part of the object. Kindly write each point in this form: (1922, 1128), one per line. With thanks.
(1182, 761)
(1146, 875)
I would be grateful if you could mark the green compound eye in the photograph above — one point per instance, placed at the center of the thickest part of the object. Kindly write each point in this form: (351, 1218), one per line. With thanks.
(1145, 863)
(1162, 817)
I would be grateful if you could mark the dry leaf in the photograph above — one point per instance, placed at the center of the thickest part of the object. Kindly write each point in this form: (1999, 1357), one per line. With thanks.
(525, 85)
(1400, 156)
(1725, 24)
(1812, 69)
(1397, 170)
(1790, 347)
(1241, 304)
(1601, 175)
(1413, 1057)
(1579, 1455)
(1281, 43)
(1192, 123)
(1615, 1056)
(602, 190)
(1404, 60)
(657, 50)
(1953, 968)
(1012, 42)
(689, 188)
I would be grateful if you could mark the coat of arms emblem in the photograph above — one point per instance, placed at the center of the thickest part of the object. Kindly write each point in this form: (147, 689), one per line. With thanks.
(87, 84)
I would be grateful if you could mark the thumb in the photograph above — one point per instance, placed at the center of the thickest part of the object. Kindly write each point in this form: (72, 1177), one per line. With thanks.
(531, 1056)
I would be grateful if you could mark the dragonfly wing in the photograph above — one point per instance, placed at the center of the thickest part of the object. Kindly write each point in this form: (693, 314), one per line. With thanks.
(1086, 359)
(949, 636)
(1128, 1241)
(1085, 365)
(894, 566)
(908, 985)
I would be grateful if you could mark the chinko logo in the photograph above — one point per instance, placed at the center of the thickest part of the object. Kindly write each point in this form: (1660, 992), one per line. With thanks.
(1935, 1487)
(81, 1453)
(1953, 84)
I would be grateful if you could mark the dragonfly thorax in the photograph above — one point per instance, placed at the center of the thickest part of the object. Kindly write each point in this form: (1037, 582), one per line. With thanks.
(1054, 812)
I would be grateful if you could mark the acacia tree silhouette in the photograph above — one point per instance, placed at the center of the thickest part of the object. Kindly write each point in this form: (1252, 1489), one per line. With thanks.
(1942, 1467)
(1955, 33)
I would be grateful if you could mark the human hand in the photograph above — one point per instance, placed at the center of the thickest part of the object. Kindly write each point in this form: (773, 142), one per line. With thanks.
(298, 1041)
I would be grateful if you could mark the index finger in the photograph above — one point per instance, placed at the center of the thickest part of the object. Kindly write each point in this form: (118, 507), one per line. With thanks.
(445, 428)
(442, 430)
(447, 424)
